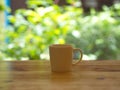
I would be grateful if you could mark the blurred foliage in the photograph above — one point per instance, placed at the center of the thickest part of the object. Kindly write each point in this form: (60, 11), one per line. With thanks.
(1, 7)
(33, 30)
(98, 33)
(38, 3)
(46, 3)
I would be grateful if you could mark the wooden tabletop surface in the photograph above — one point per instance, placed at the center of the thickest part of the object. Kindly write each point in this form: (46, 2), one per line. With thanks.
(37, 75)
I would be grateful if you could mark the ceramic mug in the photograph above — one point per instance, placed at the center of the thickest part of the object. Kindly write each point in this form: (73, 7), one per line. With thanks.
(61, 57)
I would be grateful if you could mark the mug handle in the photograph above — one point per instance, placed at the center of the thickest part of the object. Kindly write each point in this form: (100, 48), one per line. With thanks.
(81, 55)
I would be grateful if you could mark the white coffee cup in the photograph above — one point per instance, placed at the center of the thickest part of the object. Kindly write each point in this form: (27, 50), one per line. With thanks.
(61, 57)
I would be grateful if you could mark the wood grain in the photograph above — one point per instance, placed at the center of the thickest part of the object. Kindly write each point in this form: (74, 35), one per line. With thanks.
(37, 75)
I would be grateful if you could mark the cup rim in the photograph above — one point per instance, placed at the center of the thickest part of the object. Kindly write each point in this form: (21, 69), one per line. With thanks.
(60, 45)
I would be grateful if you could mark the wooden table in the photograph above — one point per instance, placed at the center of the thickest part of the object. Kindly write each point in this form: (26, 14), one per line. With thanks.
(37, 75)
